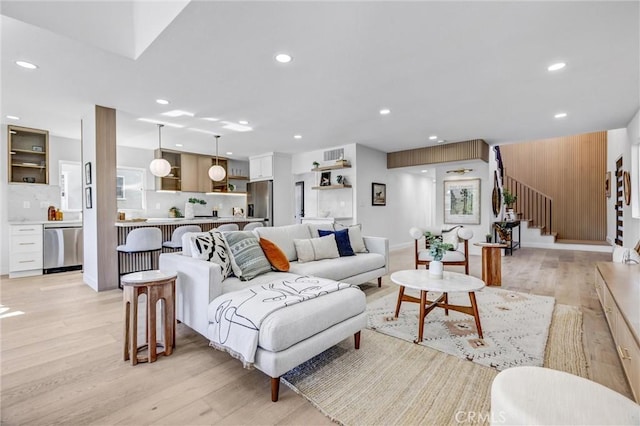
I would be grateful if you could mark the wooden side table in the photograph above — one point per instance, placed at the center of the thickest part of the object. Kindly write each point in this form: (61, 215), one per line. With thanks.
(491, 262)
(156, 285)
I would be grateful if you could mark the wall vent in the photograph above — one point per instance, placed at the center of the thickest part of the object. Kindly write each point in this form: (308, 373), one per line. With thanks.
(334, 154)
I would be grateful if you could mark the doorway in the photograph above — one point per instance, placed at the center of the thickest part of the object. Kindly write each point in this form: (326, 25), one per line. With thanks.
(299, 200)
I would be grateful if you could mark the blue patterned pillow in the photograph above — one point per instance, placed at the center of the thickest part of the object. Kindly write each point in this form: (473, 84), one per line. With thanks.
(342, 240)
(212, 247)
(247, 258)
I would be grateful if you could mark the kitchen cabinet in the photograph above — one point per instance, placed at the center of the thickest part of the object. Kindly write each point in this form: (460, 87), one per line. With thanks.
(619, 294)
(261, 167)
(25, 250)
(171, 182)
(28, 155)
(195, 173)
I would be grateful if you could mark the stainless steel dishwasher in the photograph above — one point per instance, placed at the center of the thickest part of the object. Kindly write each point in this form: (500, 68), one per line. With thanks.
(62, 249)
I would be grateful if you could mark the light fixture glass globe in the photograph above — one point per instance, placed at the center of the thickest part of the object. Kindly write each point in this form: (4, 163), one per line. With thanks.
(160, 167)
(217, 173)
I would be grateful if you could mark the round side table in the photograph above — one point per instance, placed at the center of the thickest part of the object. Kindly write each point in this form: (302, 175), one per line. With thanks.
(156, 285)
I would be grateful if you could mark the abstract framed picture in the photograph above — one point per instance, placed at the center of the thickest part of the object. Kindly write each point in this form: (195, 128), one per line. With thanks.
(88, 198)
(462, 201)
(378, 194)
(87, 173)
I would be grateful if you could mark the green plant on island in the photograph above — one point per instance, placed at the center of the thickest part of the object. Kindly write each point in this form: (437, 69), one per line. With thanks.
(437, 248)
(509, 198)
(175, 212)
(197, 201)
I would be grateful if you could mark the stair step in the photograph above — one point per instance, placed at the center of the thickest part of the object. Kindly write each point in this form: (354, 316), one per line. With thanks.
(553, 234)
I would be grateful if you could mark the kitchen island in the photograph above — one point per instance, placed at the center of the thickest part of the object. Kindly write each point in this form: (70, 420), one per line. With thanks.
(168, 225)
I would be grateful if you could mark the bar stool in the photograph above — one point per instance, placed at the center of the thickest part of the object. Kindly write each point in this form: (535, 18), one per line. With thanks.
(252, 225)
(156, 285)
(228, 227)
(139, 241)
(176, 237)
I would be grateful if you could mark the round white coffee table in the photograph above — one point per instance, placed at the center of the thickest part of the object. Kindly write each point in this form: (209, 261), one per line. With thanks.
(451, 282)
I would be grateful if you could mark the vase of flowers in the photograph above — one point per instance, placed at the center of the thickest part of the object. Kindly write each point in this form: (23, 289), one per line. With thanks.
(437, 249)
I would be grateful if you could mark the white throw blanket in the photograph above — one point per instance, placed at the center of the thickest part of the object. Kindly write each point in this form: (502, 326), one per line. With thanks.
(239, 314)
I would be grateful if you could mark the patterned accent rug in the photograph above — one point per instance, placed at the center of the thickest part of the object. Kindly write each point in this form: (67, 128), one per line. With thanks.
(389, 381)
(515, 326)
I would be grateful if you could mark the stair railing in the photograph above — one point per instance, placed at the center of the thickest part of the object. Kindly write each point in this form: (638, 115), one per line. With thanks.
(532, 204)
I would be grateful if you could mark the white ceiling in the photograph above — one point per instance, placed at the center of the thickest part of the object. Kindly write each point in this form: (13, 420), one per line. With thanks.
(459, 70)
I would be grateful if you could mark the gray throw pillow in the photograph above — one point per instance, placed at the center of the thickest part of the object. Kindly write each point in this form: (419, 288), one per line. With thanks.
(247, 258)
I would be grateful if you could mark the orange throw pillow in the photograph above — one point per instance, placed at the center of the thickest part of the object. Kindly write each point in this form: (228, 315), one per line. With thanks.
(275, 255)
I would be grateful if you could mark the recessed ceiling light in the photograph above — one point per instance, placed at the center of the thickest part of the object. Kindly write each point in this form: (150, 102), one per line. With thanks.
(297, 136)
(151, 120)
(433, 138)
(162, 101)
(283, 58)
(424, 171)
(385, 111)
(557, 66)
(237, 127)
(27, 65)
(13, 117)
(229, 153)
(243, 122)
(560, 115)
(179, 144)
(178, 113)
(210, 118)
(440, 140)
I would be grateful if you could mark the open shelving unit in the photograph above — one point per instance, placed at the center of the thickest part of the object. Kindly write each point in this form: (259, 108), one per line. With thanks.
(28, 155)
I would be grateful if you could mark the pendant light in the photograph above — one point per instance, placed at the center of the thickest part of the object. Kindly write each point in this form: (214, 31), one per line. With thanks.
(217, 173)
(160, 167)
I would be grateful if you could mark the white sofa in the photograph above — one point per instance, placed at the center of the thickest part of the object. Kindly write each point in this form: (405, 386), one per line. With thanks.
(303, 330)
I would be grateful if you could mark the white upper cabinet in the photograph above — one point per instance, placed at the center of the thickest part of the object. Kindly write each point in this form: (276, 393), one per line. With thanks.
(261, 167)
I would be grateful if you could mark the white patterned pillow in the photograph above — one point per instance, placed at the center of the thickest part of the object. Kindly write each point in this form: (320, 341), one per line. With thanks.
(316, 248)
(451, 237)
(211, 246)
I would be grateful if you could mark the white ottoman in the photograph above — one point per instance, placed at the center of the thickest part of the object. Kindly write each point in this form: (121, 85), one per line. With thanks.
(541, 396)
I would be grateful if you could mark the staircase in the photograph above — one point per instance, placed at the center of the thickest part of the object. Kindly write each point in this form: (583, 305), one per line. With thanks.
(533, 206)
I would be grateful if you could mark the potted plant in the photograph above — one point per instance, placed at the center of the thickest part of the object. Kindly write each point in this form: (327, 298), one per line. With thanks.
(316, 164)
(175, 212)
(231, 187)
(188, 207)
(437, 249)
(509, 200)
(488, 238)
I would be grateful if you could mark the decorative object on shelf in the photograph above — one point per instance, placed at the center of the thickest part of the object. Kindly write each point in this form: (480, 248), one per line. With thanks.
(316, 164)
(36, 148)
(504, 232)
(437, 248)
(460, 171)
(340, 180)
(607, 184)
(462, 201)
(325, 179)
(378, 194)
(88, 198)
(342, 163)
(29, 179)
(159, 166)
(87, 173)
(231, 187)
(175, 212)
(626, 181)
(238, 212)
(217, 172)
(488, 238)
(509, 200)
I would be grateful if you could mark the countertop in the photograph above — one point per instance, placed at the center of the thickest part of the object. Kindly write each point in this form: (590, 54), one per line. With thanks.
(183, 221)
(51, 223)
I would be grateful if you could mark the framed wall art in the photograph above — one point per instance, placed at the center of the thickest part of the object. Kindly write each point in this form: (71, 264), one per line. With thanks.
(88, 198)
(378, 194)
(462, 201)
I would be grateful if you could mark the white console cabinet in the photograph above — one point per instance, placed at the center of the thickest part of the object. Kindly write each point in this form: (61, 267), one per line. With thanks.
(25, 251)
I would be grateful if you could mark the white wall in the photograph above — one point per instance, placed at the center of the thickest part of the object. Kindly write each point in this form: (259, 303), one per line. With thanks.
(624, 142)
(89, 216)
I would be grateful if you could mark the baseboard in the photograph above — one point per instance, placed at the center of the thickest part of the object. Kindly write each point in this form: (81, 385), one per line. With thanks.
(578, 247)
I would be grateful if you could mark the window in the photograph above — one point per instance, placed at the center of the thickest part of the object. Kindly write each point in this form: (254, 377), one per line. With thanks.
(130, 188)
(120, 193)
(70, 186)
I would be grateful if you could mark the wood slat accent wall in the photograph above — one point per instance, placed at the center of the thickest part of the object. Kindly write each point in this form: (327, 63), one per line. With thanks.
(475, 149)
(571, 170)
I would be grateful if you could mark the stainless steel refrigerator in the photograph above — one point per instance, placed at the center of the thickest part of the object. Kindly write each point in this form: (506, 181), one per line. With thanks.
(260, 200)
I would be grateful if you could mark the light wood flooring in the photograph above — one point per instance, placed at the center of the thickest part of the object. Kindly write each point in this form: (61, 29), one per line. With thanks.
(61, 360)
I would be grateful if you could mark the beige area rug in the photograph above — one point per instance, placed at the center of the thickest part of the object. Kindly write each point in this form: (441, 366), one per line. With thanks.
(390, 381)
(514, 325)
